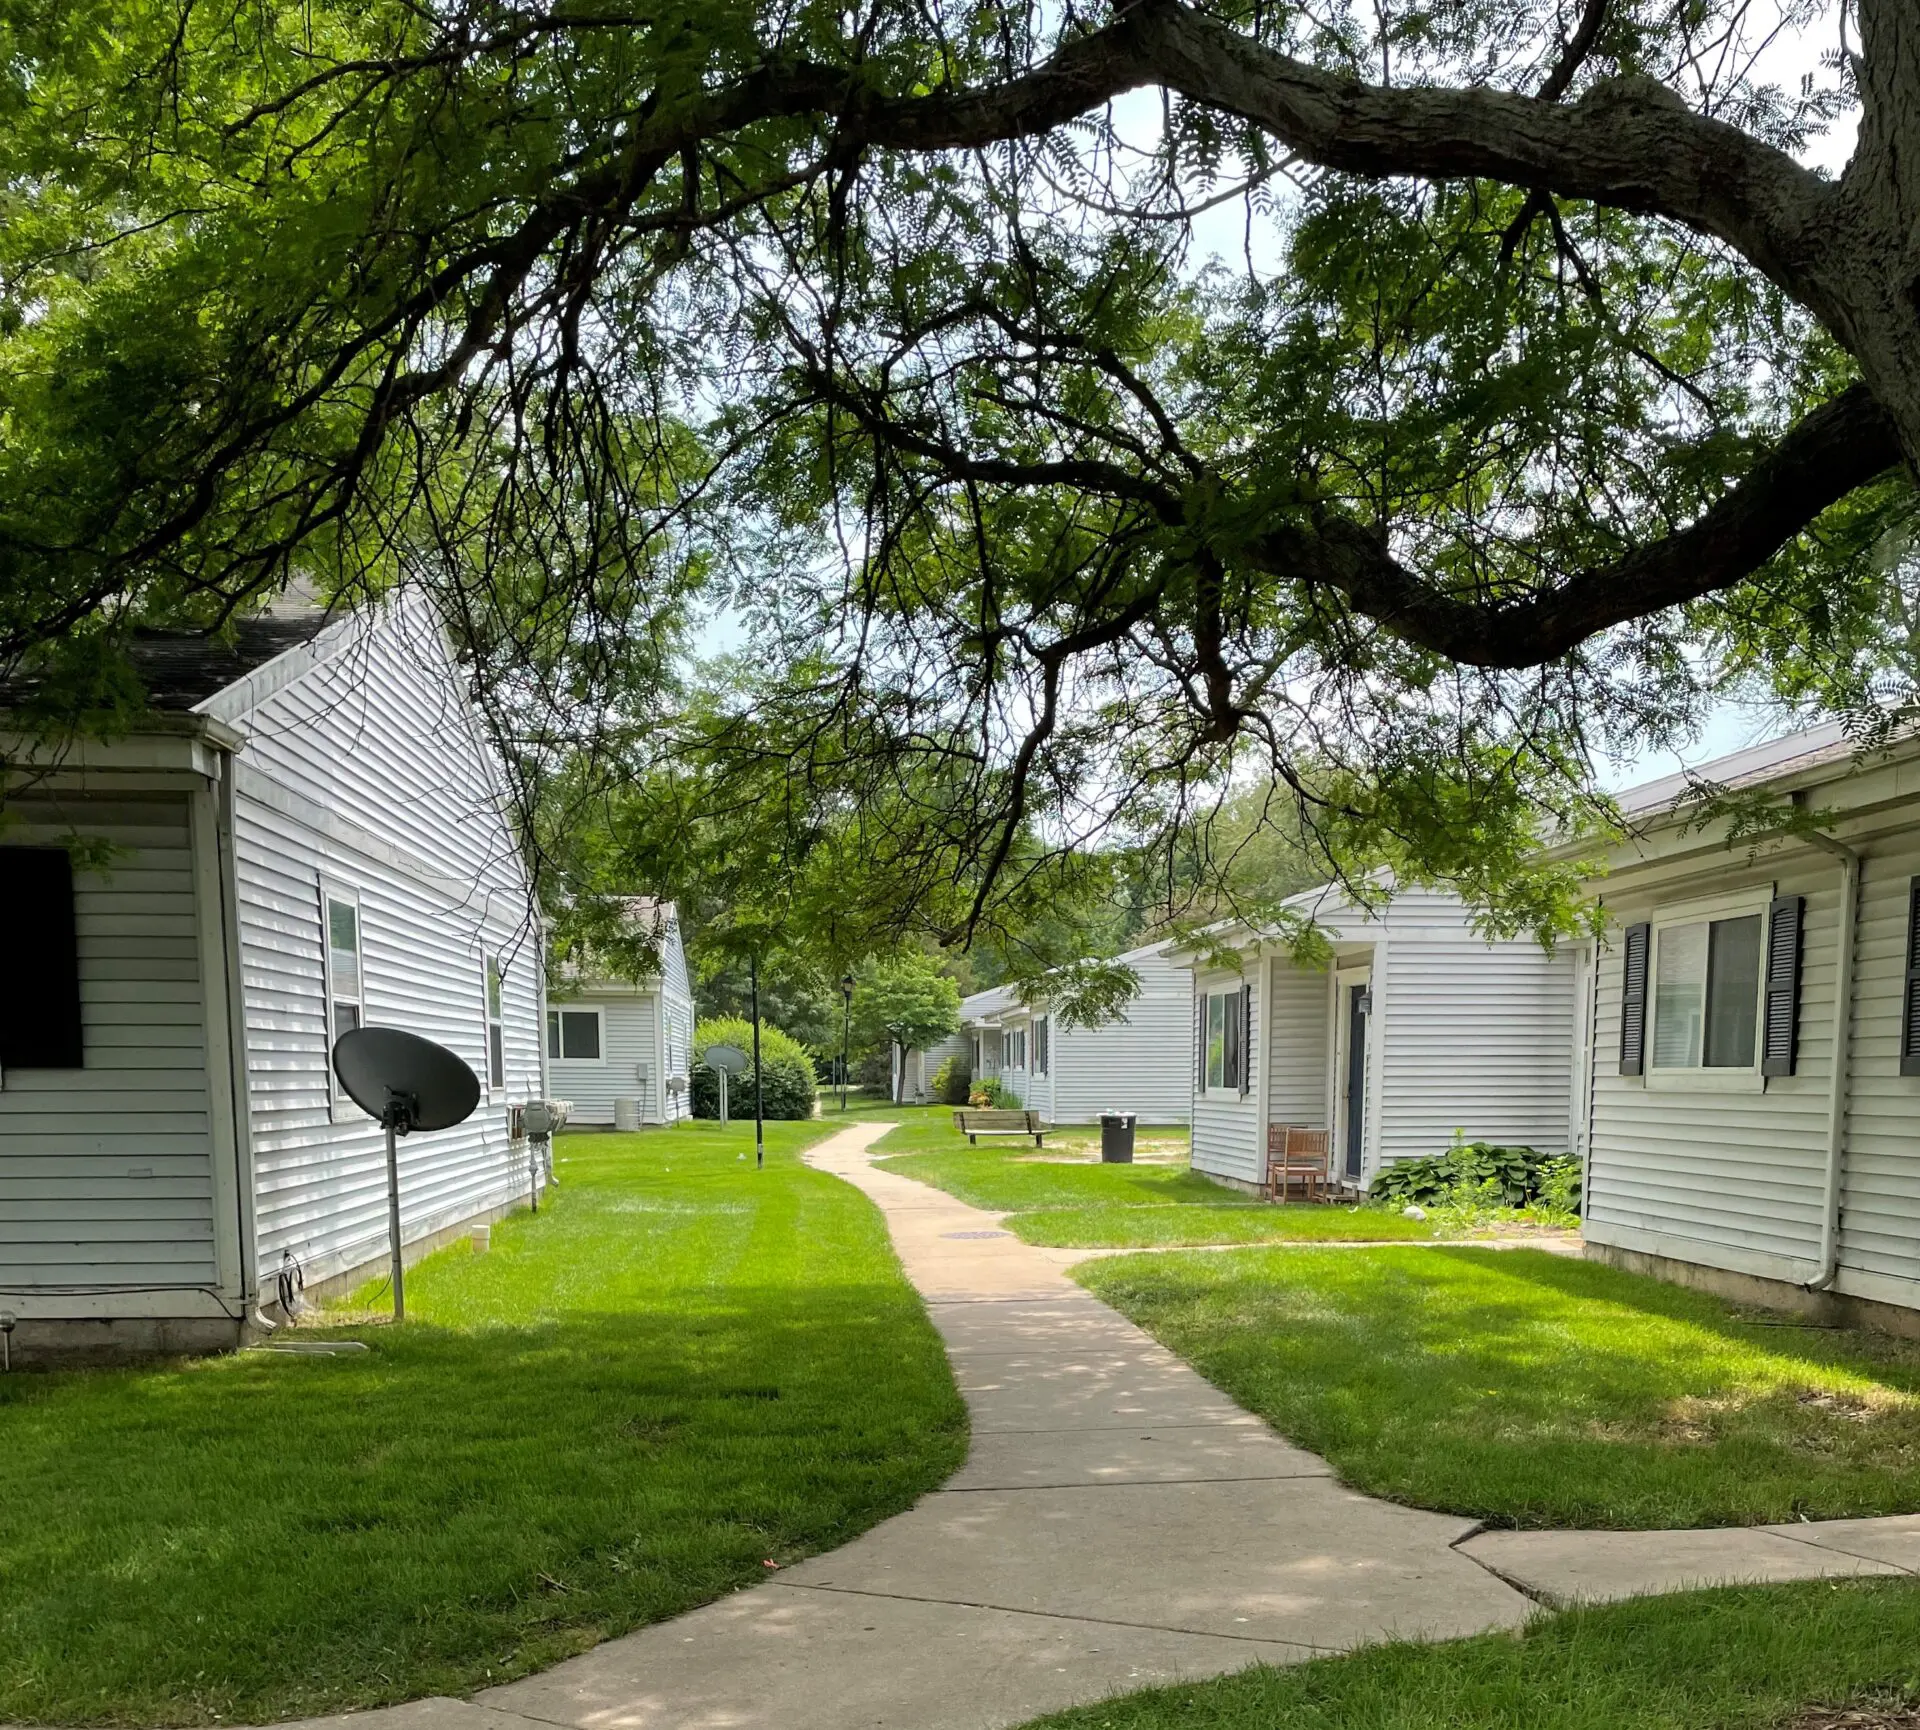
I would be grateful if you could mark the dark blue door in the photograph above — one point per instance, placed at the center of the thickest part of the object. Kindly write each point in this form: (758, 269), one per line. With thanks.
(1357, 996)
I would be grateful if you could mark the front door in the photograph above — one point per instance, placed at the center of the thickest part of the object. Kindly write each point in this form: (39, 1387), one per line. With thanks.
(1354, 1089)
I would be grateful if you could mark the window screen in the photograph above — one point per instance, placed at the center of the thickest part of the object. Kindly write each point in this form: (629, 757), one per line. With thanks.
(496, 1038)
(343, 964)
(1706, 994)
(1225, 1040)
(574, 1034)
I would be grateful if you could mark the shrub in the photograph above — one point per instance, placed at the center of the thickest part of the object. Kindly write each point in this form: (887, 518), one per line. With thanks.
(992, 1094)
(786, 1072)
(1484, 1173)
(953, 1082)
(873, 1070)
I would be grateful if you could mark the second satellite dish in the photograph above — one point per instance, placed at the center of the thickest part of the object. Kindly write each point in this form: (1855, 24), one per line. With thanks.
(403, 1080)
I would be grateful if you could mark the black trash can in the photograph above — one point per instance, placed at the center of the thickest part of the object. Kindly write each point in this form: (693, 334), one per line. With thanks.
(1116, 1137)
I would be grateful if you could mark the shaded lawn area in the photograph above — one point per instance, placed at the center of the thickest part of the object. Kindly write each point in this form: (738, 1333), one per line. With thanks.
(1060, 1196)
(682, 1370)
(1533, 1390)
(1745, 1659)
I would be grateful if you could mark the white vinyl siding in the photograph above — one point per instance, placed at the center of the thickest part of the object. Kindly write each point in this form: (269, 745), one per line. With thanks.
(1142, 1063)
(1730, 1179)
(1471, 1035)
(590, 1086)
(647, 1025)
(1226, 1126)
(1464, 1034)
(365, 774)
(1297, 1046)
(106, 1174)
(1880, 1212)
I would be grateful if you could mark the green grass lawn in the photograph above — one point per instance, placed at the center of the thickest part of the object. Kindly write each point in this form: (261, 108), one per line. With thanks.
(682, 1370)
(1061, 1195)
(1535, 1390)
(1749, 1659)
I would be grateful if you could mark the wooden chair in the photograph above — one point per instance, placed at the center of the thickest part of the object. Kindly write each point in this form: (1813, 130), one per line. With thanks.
(1297, 1155)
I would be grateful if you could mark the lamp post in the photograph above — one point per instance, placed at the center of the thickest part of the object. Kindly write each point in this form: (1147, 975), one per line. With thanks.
(846, 1035)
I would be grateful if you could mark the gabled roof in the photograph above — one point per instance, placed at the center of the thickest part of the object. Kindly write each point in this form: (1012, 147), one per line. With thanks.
(1754, 766)
(984, 1005)
(182, 669)
(998, 1000)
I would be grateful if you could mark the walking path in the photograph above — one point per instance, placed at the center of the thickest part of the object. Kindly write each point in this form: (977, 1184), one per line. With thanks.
(1119, 1522)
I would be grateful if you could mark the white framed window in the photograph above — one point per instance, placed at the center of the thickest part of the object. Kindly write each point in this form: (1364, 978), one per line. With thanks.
(1042, 1043)
(1707, 973)
(343, 972)
(574, 1036)
(1017, 1048)
(496, 1030)
(1223, 1039)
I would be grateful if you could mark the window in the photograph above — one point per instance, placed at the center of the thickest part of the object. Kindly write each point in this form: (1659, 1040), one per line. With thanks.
(342, 973)
(1706, 993)
(1042, 1044)
(496, 1035)
(1223, 1030)
(1017, 1049)
(574, 1035)
(40, 1020)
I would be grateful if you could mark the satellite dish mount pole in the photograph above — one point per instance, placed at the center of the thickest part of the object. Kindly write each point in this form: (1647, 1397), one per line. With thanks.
(398, 1118)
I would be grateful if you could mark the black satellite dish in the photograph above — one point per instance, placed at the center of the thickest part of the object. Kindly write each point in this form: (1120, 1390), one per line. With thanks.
(408, 1083)
(404, 1080)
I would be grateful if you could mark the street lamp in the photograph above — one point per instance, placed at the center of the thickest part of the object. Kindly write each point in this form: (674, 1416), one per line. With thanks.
(846, 1034)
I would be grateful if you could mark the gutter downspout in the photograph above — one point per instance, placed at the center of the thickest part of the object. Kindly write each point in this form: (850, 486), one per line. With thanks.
(1839, 1088)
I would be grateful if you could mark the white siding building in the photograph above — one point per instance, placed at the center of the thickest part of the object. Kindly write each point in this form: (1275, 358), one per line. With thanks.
(308, 835)
(1754, 1064)
(611, 1040)
(1141, 1062)
(1416, 1027)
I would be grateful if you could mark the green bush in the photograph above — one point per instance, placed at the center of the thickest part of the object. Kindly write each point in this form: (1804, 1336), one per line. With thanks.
(1484, 1171)
(992, 1094)
(953, 1082)
(786, 1072)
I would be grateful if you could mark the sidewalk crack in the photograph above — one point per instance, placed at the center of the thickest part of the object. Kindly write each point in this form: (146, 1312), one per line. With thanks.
(1058, 1615)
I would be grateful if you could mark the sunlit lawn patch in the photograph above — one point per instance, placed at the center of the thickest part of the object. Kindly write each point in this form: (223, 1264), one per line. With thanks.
(682, 1370)
(1535, 1390)
(1062, 1195)
(1754, 1659)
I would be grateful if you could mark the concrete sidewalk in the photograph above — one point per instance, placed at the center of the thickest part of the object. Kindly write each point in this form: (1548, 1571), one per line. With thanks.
(1119, 1522)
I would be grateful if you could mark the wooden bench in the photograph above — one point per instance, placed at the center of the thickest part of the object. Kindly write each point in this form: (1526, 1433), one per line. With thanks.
(974, 1124)
(1296, 1154)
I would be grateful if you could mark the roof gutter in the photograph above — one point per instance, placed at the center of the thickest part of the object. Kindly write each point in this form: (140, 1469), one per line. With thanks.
(1839, 1086)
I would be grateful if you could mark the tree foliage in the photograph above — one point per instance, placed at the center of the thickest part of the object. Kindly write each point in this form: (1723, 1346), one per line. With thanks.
(904, 999)
(1088, 413)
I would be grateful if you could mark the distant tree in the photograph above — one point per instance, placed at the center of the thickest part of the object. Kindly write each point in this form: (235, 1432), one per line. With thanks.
(905, 1001)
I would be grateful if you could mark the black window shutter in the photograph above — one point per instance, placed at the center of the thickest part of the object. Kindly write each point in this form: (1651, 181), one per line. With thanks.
(40, 1013)
(1633, 998)
(1910, 1003)
(1246, 1039)
(1779, 1034)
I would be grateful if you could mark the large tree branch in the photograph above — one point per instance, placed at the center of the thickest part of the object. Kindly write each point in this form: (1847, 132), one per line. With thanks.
(1629, 142)
(1838, 447)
